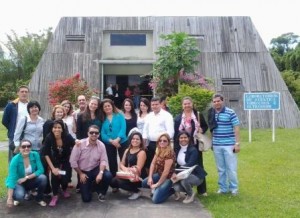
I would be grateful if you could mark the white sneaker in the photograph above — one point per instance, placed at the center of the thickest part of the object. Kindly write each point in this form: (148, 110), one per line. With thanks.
(134, 196)
(16, 203)
(189, 199)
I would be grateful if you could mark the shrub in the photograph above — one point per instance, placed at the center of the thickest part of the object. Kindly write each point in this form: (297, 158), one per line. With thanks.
(201, 97)
(68, 89)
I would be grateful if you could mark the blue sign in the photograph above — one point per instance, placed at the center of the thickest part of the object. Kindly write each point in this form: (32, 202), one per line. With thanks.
(262, 101)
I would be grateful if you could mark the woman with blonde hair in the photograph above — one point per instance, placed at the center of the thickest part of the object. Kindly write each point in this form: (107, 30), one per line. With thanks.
(161, 170)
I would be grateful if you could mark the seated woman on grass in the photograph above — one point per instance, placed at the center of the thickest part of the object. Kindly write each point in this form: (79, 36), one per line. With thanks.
(25, 174)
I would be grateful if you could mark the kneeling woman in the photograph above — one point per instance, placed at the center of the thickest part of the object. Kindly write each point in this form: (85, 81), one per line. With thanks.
(187, 156)
(161, 170)
(133, 160)
(25, 174)
(57, 153)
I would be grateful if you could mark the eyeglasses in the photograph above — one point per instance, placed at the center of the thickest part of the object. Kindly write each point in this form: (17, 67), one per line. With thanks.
(94, 133)
(163, 140)
(25, 146)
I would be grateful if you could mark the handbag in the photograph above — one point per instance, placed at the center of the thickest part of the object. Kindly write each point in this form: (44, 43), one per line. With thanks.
(12, 145)
(204, 142)
(185, 172)
(133, 175)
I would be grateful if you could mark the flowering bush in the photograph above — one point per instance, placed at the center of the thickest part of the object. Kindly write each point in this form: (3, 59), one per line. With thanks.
(69, 89)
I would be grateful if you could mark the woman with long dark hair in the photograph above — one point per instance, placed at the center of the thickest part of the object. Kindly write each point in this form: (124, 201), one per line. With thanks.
(144, 110)
(130, 115)
(91, 116)
(133, 161)
(113, 134)
(57, 151)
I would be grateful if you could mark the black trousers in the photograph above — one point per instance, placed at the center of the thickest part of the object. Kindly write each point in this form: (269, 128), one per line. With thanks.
(126, 185)
(150, 152)
(61, 180)
(112, 156)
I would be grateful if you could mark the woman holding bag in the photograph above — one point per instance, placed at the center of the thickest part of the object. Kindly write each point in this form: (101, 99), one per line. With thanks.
(188, 121)
(133, 161)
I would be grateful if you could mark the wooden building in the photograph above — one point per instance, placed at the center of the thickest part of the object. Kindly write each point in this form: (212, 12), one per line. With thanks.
(121, 50)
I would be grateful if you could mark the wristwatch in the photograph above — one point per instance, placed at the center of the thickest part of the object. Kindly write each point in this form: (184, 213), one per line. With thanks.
(101, 172)
(238, 144)
(27, 177)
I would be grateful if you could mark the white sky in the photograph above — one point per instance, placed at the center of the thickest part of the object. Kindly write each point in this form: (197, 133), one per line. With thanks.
(271, 18)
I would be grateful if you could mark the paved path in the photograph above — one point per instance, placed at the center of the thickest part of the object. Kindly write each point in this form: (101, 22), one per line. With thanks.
(117, 205)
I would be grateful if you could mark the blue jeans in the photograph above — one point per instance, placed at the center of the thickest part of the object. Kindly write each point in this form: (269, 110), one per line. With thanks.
(38, 183)
(226, 162)
(163, 192)
(87, 187)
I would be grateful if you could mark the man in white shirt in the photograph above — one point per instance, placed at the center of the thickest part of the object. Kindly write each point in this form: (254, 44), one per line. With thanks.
(13, 112)
(157, 122)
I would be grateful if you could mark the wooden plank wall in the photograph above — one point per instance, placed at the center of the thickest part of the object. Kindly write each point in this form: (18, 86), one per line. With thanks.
(231, 48)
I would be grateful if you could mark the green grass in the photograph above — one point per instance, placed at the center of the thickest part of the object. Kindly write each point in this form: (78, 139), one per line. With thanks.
(3, 130)
(3, 173)
(268, 174)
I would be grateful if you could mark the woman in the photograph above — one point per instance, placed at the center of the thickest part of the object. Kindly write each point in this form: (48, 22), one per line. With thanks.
(34, 127)
(25, 174)
(69, 118)
(188, 121)
(130, 115)
(58, 113)
(161, 170)
(91, 116)
(187, 156)
(113, 134)
(57, 151)
(144, 110)
(133, 161)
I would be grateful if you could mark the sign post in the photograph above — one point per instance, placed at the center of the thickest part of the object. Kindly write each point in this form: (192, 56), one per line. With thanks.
(262, 101)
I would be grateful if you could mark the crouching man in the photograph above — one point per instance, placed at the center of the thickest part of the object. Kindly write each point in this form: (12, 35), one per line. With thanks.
(89, 160)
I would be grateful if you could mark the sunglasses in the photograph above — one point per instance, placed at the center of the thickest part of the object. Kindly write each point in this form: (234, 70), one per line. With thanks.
(163, 140)
(25, 146)
(94, 133)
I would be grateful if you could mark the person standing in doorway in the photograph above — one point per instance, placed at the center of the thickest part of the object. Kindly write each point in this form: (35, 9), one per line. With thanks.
(226, 138)
(136, 96)
(13, 111)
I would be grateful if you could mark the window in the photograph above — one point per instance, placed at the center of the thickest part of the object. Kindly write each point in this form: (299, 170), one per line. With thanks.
(231, 81)
(117, 39)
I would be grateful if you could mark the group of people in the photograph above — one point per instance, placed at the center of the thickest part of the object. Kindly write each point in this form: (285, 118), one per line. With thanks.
(151, 145)
(113, 92)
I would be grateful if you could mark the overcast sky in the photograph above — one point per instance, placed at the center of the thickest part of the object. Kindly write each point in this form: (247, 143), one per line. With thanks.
(271, 18)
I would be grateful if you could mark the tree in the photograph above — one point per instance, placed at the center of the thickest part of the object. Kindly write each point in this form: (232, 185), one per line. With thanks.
(180, 54)
(19, 59)
(284, 43)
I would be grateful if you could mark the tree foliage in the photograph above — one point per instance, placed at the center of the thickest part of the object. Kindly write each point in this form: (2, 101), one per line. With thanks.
(287, 59)
(179, 54)
(19, 57)
(201, 97)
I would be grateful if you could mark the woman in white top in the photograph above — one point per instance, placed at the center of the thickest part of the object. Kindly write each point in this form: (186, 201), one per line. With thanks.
(144, 110)
(69, 119)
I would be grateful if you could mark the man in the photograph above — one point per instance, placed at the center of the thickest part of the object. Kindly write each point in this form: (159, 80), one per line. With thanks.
(89, 160)
(136, 96)
(226, 138)
(157, 122)
(109, 92)
(13, 111)
(81, 101)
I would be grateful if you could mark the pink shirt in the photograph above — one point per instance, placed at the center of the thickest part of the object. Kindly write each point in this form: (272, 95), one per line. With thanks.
(87, 157)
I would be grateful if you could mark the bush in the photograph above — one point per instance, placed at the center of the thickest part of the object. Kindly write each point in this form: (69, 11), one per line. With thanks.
(201, 97)
(69, 89)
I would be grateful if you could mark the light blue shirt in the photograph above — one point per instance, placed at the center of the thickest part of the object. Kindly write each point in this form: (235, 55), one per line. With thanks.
(33, 132)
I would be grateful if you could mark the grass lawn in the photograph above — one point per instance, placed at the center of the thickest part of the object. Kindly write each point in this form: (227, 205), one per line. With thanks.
(3, 130)
(3, 173)
(268, 177)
